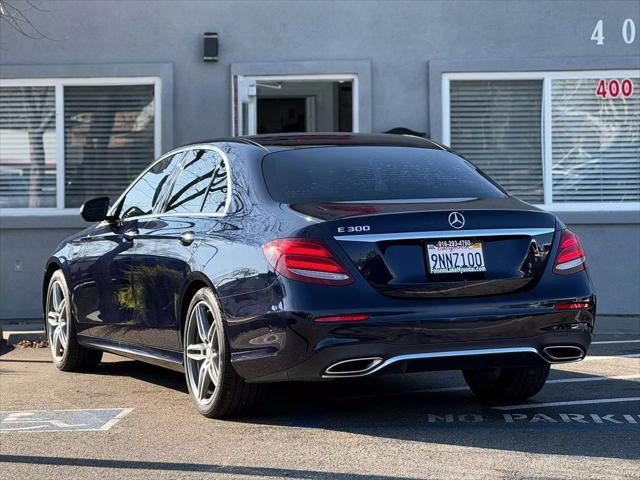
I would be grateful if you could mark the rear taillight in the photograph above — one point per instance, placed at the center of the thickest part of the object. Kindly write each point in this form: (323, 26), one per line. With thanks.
(306, 260)
(570, 257)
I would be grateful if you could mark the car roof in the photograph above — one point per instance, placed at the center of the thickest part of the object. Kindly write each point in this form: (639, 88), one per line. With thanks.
(287, 141)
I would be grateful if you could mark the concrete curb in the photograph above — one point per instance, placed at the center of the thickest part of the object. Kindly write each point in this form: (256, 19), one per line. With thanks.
(13, 332)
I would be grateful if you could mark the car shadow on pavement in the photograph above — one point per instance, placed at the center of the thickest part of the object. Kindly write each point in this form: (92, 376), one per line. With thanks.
(243, 471)
(5, 348)
(425, 408)
(408, 409)
(145, 372)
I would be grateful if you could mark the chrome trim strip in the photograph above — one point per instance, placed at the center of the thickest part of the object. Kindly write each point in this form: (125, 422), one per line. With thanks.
(454, 353)
(497, 232)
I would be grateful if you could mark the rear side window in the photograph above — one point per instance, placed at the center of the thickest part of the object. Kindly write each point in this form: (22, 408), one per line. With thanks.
(216, 200)
(352, 174)
(199, 184)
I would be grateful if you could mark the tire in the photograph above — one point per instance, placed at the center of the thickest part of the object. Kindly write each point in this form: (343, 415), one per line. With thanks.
(67, 354)
(221, 392)
(506, 385)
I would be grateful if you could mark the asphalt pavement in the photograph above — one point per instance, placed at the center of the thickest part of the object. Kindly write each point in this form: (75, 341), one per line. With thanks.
(131, 420)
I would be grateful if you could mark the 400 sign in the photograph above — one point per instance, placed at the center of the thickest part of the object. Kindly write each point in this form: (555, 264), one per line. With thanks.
(614, 88)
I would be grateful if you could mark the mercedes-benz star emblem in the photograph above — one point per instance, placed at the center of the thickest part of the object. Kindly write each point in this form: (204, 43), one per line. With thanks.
(456, 220)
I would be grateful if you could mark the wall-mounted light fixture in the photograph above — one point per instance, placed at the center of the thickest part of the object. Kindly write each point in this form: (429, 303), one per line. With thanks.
(210, 47)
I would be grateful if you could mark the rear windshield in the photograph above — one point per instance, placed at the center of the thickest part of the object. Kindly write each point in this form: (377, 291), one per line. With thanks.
(353, 174)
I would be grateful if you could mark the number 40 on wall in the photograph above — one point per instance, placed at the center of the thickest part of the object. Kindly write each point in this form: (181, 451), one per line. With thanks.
(628, 32)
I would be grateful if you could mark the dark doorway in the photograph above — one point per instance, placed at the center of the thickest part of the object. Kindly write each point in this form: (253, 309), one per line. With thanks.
(303, 106)
(277, 115)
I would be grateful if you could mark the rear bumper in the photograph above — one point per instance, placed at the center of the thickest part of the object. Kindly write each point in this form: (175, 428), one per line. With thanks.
(409, 341)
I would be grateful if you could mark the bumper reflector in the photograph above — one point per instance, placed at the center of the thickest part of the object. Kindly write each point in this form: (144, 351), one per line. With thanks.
(341, 318)
(572, 306)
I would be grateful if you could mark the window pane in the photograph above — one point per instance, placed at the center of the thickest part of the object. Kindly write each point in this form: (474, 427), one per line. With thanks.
(351, 174)
(496, 124)
(145, 194)
(596, 143)
(217, 197)
(27, 147)
(191, 186)
(109, 139)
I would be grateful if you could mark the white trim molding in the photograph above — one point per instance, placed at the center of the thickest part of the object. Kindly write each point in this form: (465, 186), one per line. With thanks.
(360, 70)
(237, 120)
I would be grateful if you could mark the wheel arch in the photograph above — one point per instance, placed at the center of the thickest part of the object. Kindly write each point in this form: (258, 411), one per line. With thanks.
(194, 282)
(53, 265)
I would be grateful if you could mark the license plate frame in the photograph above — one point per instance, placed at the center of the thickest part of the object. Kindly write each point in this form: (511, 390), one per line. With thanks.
(455, 257)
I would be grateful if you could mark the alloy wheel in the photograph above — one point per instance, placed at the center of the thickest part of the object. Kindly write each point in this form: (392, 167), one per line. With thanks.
(57, 320)
(203, 359)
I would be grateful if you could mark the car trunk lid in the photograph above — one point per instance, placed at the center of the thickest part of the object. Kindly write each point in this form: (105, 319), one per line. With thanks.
(388, 242)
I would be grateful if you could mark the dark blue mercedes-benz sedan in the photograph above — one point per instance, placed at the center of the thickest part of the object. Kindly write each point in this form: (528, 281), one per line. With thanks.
(308, 257)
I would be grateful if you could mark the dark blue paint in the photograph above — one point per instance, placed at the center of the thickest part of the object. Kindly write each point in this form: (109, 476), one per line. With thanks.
(129, 295)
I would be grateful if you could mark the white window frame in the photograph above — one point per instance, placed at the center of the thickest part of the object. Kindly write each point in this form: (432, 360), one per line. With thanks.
(320, 77)
(59, 84)
(547, 77)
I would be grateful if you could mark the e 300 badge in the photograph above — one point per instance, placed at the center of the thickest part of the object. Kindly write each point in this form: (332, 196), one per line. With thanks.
(354, 228)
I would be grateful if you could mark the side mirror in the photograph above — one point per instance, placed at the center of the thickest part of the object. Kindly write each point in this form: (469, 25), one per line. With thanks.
(95, 210)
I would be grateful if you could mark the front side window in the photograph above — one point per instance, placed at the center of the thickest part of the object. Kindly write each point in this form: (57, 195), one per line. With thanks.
(144, 195)
(64, 141)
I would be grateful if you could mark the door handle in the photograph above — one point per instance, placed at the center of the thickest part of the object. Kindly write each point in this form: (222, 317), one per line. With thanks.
(130, 234)
(187, 238)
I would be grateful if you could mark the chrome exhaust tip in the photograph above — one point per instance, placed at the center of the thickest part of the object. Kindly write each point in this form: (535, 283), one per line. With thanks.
(354, 367)
(564, 353)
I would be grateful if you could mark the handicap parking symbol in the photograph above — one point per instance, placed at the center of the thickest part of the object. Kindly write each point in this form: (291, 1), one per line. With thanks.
(96, 419)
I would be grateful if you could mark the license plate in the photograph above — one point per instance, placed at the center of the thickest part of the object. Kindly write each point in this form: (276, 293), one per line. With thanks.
(455, 256)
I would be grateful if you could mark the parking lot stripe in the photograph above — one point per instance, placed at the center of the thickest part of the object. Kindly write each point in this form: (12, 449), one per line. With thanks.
(555, 380)
(571, 402)
(116, 419)
(610, 342)
(461, 389)
(611, 357)
(593, 379)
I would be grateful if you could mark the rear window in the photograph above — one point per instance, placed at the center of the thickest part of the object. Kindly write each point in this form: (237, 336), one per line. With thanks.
(352, 174)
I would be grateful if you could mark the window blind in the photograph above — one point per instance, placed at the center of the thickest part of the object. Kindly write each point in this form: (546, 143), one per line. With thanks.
(27, 147)
(109, 139)
(496, 124)
(596, 143)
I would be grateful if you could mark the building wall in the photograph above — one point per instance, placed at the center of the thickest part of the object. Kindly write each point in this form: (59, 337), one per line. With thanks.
(407, 45)
(23, 253)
